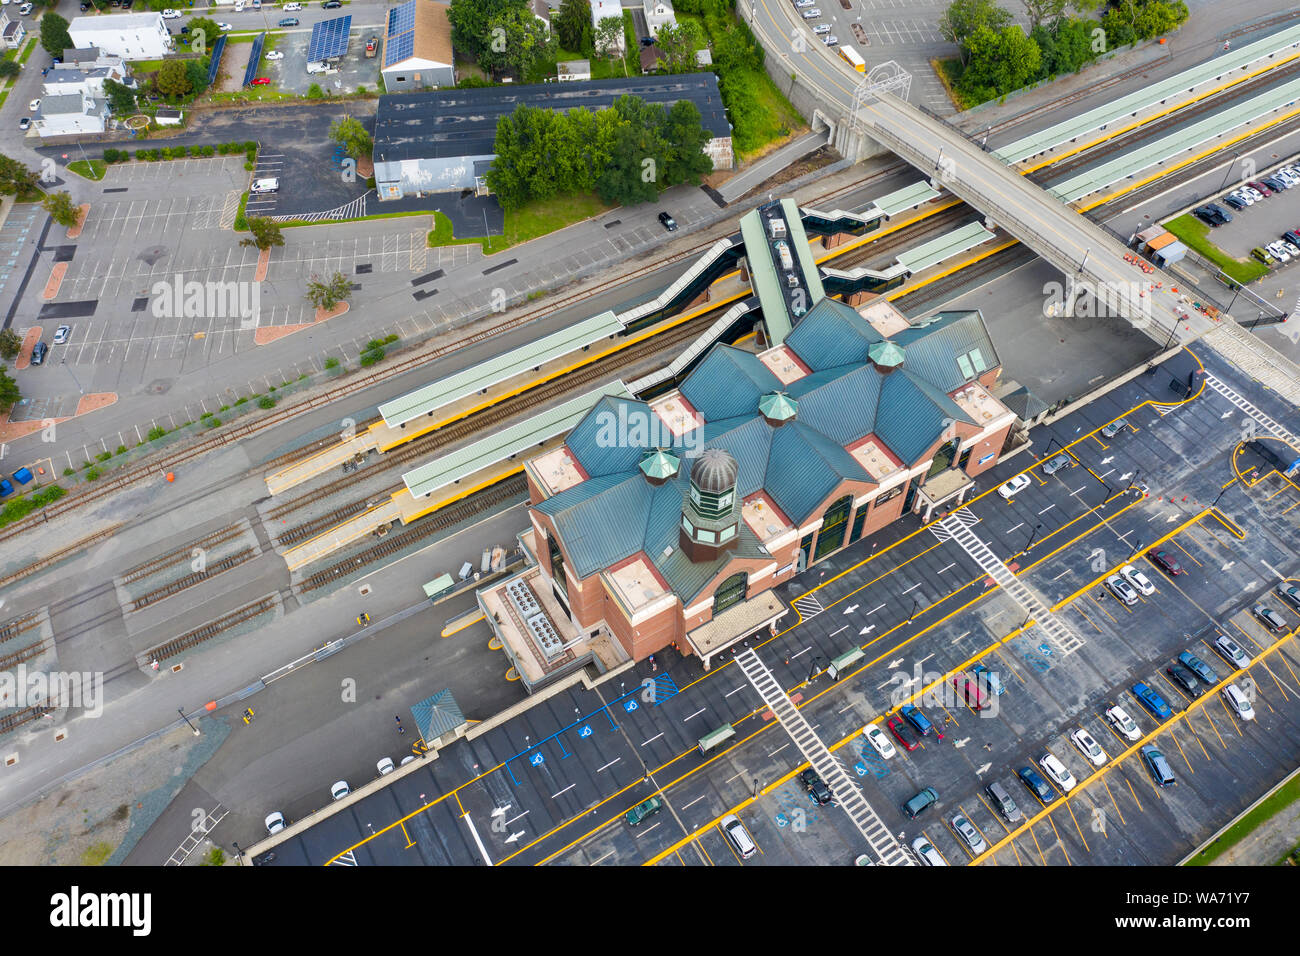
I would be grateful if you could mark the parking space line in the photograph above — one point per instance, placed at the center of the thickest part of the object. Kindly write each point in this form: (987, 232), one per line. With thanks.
(1185, 551)
(1134, 792)
(1181, 752)
(1275, 680)
(1250, 640)
(1215, 727)
(1191, 727)
(1113, 802)
(1059, 840)
(1077, 827)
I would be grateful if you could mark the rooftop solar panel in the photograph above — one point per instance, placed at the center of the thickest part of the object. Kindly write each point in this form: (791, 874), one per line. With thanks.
(401, 34)
(329, 39)
(399, 48)
(401, 19)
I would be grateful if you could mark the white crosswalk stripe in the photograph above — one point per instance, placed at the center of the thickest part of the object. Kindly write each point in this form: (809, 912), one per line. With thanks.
(1278, 431)
(808, 606)
(847, 794)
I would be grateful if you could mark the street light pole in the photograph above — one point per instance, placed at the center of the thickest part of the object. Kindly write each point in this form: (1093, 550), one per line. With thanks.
(915, 604)
(1229, 172)
(1033, 534)
(181, 711)
(65, 364)
(1136, 548)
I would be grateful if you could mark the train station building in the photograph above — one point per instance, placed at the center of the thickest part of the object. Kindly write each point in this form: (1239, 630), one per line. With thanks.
(669, 521)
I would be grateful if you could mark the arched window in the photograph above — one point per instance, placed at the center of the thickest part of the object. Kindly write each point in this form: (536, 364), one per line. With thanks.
(831, 535)
(730, 592)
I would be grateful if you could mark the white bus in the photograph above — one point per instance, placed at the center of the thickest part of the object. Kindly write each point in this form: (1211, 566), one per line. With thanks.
(851, 56)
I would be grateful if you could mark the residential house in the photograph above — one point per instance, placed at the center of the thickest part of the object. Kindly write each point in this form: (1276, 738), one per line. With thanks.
(601, 10)
(658, 13)
(133, 36)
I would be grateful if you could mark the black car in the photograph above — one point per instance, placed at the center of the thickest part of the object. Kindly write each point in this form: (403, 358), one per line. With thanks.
(1185, 679)
(1218, 212)
(1207, 215)
(1271, 620)
(669, 222)
(1275, 184)
(39, 353)
(1235, 203)
(287, 22)
(1292, 236)
(816, 786)
(332, 4)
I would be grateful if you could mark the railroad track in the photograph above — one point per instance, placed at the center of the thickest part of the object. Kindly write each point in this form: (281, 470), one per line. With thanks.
(463, 428)
(309, 529)
(12, 721)
(1214, 104)
(920, 231)
(272, 464)
(57, 556)
(1007, 259)
(206, 632)
(11, 629)
(513, 487)
(10, 661)
(190, 580)
(177, 555)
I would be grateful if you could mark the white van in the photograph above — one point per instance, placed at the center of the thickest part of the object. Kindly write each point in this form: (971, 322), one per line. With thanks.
(313, 67)
(264, 186)
(738, 835)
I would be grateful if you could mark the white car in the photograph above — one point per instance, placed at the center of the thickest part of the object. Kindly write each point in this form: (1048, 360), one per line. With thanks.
(1244, 196)
(1253, 193)
(1139, 580)
(61, 334)
(1124, 725)
(224, 27)
(1014, 486)
(1238, 701)
(812, 14)
(1088, 746)
(407, 759)
(822, 28)
(1053, 767)
(291, 7)
(239, 6)
(274, 822)
(170, 14)
(340, 790)
(804, 3)
(34, 105)
(1275, 249)
(275, 55)
(831, 40)
(385, 766)
(927, 853)
(876, 737)
(1290, 247)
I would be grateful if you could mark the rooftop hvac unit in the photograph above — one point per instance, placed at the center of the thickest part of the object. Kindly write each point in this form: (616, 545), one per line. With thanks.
(776, 228)
(545, 636)
(521, 596)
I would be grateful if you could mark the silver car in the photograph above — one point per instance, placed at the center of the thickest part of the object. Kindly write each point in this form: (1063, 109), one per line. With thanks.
(1056, 463)
(822, 28)
(813, 14)
(831, 40)
(927, 853)
(969, 835)
(1114, 428)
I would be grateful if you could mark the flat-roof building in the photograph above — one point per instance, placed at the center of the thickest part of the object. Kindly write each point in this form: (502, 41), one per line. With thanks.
(444, 140)
(133, 36)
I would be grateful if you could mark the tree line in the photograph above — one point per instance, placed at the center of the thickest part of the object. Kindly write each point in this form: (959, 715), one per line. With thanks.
(626, 153)
(998, 57)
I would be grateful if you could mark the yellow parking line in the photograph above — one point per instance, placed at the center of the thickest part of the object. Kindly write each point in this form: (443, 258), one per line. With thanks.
(1214, 726)
(1174, 737)
(996, 816)
(1197, 736)
(1079, 610)
(1275, 680)
(1038, 847)
(1186, 552)
(1079, 828)
(1019, 862)
(1134, 792)
(1060, 841)
(1287, 664)
(1114, 803)
(1253, 643)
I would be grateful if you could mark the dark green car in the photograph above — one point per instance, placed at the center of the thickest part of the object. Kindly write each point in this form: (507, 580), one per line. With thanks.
(641, 811)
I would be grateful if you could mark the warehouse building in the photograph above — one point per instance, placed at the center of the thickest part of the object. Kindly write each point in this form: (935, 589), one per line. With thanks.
(132, 36)
(443, 140)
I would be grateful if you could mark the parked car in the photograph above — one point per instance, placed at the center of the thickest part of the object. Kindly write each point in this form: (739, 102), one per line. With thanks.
(1271, 620)
(1003, 803)
(1289, 593)
(1161, 772)
(1212, 215)
(25, 123)
(275, 55)
(642, 811)
(1121, 589)
(1140, 582)
(261, 81)
(224, 27)
(1088, 746)
(287, 21)
(738, 836)
(25, 9)
(1253, 193)
(804, 3)
(668, 221)
(969, 688)
(1263, 255)
(1260, 189)
(1056, 463)
(1184, 678)
(291, 7)
(1276, 184)
(332, 4)
(812, 14)
(1231, 652)
(989, 679)
(822, 28)
(34, 105)
(1235, 201)
(921, 801)
(1053, 767)
(831, 40)
(39, 352)
(904, 733)
(1036, 785)
(340, 790)
(1219, 212)
(918, 720)
(1152, 701)
(1198, 667)
(1278, 251)
(170, 14)
(816, 787)
(1114, 428)
(1237, 700)
(1013, 487)
(274, 822)
(61, 334)
(876, 737)
(926, 852)
(1246, 196)
(1166, 562)
(385, 766)
(968, 834)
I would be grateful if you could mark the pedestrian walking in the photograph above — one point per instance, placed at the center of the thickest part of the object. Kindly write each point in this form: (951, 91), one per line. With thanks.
(400, 728)
(653, 666)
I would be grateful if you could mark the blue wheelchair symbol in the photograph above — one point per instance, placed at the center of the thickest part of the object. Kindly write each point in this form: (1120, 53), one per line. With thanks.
(781, 819)
(585, 731)
(860, 769)
(1044, 650)
(629, 705)
(537, 760)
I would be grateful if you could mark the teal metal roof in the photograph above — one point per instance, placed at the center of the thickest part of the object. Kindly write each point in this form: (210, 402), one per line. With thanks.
(466, 382)
(943, 247)
(1126, 107)
(837, 336)
(932, 348)
(885, 354)
(460, 463)
(728, 382)
(660, 464)
(1182, 140)
(437, 715)
(763, 277)
(799, 239)
(782, 305)
(907, 197)
(778, 406)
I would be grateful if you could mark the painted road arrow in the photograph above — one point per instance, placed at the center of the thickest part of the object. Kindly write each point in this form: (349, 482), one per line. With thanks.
(895, 663)
(851, 608)
(961, 743)
(1126, 476)
(867, 630)
(982, 769)
(514, 836)
(1108, 460)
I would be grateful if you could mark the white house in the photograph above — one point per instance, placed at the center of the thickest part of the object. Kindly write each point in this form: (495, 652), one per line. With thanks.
(92, 58)
(62, 80)
(573, 70)
(12, 32)
(133, 36)
(542, 11)
(71, 113)
(602, 9)
(658, 13)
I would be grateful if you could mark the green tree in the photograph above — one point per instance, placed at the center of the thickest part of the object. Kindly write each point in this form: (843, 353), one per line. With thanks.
(734, 49)
(326, 295)
(9, 69)
(173, 79)
(121, 98)
(196, 71)
(609, 34)
(351, 134)
(314, 92)
(639, 154)
(203, 33)
(1000, 61)
(685, 160)
(963, 17)
(10, 344)
(1158, 16)
(54, 35)
(678, 43)
(572, 24)
(9, 391)
(15, 178)
(266, 233)
(62, 209)
(471, 24)
(1065, 45)
(518, 41)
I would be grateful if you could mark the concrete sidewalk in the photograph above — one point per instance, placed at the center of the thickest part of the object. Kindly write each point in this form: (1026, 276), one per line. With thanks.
(770, 165)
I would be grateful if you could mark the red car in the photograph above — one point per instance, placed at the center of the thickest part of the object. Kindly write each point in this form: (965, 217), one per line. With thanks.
(262, 81)
(904, 733)
(962, 683)
(1260, 188)
(1166, 562)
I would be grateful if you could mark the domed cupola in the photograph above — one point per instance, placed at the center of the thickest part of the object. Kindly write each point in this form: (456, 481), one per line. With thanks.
(710, 514)
(777, 408)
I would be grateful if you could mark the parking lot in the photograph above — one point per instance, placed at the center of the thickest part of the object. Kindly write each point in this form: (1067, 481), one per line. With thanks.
(1257, 225)
(554, 784)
